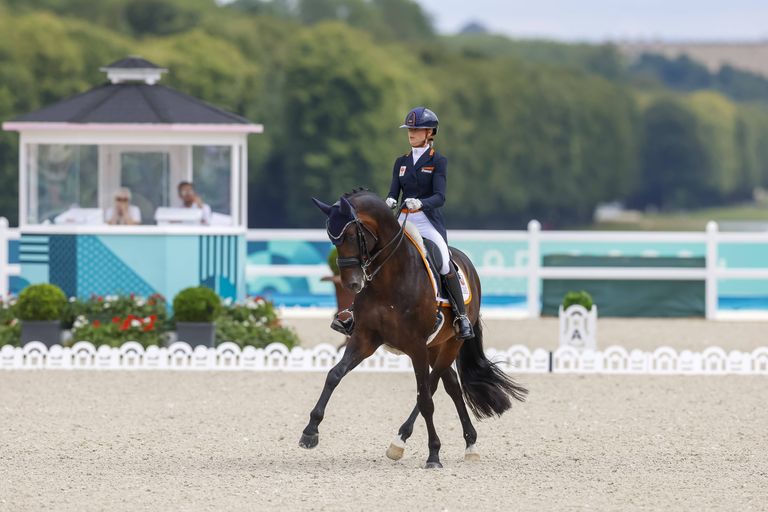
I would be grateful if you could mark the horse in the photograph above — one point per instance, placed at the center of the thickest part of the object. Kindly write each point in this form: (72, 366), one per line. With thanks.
(395, 306)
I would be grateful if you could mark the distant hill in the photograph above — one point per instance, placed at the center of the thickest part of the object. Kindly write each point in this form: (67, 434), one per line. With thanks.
(747, 56)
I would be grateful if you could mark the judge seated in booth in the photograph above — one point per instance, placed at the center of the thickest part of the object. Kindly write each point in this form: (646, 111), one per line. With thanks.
(123, 212)
(193, 209)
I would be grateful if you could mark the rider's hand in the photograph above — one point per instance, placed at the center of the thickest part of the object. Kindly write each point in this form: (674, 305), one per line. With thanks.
(413, 204)
(391, 202)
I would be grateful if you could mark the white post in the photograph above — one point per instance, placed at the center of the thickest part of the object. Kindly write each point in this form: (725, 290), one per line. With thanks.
(710, 284)
(3, 258)
(534, 266)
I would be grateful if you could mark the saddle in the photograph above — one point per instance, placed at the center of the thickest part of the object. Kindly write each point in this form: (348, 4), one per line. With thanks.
(433, 261)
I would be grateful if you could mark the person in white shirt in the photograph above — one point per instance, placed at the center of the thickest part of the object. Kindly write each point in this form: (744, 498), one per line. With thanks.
(123, 212)
(190, 199)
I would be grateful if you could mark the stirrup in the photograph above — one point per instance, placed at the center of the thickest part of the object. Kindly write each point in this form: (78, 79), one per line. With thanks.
(345, 327)
(464, 329)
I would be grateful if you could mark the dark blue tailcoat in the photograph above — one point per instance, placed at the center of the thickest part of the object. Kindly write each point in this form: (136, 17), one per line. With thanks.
(424, 181)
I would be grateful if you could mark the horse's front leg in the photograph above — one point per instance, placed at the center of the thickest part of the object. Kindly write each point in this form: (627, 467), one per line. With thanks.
(358, 348)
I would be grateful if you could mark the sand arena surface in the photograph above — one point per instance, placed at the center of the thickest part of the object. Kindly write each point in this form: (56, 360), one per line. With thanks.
(228, 441)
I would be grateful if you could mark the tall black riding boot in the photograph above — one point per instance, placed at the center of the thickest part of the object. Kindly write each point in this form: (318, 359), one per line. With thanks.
(464, 330)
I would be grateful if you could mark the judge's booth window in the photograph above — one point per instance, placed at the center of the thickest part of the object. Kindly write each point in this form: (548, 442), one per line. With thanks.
(86, 184)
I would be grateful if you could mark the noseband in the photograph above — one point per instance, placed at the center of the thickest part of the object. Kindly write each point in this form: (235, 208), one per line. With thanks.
(364, 260)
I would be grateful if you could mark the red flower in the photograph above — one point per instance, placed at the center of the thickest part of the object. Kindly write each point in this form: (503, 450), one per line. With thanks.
(100, 298)
(96, 324)
(127, 322)
(148, 326)
(116, 319)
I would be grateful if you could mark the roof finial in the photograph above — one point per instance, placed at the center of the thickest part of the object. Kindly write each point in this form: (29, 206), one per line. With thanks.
(133, 69)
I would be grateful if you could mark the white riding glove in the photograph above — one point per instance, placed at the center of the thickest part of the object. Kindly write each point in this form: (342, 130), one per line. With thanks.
(413, 204)
(391, 202)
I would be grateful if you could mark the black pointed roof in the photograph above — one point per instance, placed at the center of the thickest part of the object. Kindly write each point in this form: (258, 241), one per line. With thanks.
(132, 102)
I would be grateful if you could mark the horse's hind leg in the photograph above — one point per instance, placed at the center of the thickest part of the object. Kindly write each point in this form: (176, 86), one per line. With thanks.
(397, 447)
(357, 350)
(451, 384)
(426, 407)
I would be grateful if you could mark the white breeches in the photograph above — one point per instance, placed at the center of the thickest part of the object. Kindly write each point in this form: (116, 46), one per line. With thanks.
(428, 231)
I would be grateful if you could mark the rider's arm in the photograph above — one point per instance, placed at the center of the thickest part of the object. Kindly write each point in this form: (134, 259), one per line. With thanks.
(437, 199)
(394, 188)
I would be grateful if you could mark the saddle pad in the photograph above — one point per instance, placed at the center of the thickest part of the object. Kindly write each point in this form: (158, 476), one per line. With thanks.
(441, 301)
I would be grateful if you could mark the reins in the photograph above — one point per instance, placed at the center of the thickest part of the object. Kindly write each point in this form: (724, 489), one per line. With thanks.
(365, 259)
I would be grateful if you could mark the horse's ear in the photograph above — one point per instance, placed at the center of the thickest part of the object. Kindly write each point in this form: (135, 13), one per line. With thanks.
(347, 208)
(325, 208)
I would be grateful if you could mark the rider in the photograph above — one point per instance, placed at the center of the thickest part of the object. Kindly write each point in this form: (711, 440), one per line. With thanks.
(421, 177)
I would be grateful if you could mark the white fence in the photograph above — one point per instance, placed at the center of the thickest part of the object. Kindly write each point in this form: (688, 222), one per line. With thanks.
(276, 357)
(530, 268)
(533, 271)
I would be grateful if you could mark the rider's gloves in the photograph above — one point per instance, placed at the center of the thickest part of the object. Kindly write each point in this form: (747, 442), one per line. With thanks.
(413, 204)
(391, 202)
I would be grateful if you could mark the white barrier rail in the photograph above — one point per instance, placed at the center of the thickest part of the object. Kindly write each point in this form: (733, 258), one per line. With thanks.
(517, 359)
(530, 268)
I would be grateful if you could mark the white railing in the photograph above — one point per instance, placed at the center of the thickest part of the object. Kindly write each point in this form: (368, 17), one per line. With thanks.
(517, 359)
(534, 272)
(529, 268)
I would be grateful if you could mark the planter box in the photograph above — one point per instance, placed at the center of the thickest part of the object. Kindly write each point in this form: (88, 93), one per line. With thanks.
(196, 333)
(47, 331)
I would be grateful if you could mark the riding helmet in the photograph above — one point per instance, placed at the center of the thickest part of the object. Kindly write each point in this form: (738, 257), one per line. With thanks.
(421, 117)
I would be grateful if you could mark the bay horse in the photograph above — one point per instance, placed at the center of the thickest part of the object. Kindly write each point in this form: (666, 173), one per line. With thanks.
(395, 305)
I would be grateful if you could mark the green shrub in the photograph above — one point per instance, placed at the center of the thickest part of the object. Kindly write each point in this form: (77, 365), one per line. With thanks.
(41, 302)
(332, 256)
(255, 323)
(196, 304)
(581, 298)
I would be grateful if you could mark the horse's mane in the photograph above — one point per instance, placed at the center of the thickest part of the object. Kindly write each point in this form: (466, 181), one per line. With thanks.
(357, 192)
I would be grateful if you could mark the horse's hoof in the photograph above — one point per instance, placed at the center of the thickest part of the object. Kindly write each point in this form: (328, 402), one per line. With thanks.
(309, 441)
(433, 465)
(395, 452)
(396, 449)
(471, 454)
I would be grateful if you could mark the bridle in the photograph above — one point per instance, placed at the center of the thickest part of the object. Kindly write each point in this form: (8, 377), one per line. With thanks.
(364, 260)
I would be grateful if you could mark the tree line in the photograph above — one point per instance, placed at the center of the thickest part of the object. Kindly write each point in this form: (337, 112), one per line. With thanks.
(532, 129)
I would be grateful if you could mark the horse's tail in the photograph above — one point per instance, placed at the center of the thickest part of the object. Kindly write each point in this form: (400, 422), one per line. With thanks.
(487, 389)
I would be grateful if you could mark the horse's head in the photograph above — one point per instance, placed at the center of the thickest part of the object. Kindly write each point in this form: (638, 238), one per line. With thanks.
(354, 228)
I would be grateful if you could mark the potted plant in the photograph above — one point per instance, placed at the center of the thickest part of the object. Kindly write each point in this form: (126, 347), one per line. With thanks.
(40, 308)
(195, 309)
(344, 297)
(578, 321)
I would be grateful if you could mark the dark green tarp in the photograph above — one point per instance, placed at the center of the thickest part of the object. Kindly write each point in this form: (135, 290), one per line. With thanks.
(630, 298)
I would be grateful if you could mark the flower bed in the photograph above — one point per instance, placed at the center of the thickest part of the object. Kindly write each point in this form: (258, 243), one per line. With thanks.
(113, 320)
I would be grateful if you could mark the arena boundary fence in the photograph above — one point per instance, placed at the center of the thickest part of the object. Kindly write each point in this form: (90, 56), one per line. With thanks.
(530, 267)
(517, 359)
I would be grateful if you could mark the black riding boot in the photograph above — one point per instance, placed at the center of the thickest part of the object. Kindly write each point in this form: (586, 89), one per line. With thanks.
(464, 330)
(344, 325)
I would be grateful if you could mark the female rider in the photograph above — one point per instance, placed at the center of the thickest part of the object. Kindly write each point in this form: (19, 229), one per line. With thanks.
(420, 175)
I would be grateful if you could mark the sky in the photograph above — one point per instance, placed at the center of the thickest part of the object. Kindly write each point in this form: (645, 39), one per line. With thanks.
(601, 20)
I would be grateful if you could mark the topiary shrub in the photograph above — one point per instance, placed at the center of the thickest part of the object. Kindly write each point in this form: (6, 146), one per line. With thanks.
(581, 298)
(196, 304)
(41, 302)
(332, 256)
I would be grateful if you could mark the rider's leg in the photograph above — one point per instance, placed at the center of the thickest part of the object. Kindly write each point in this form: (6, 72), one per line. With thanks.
(450, 278)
